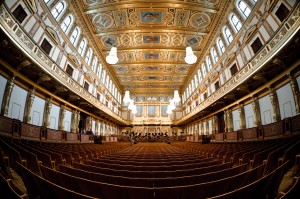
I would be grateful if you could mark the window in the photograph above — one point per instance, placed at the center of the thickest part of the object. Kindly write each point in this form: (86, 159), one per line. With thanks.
(20, 14)
(99, 71)
(282, 12)
(69, 70)
(74, 35)
(86, 86)
(233, 69)
(139, 110)
(110, 86)
(235, 22)
(107, 81)
(256, 45)
(203, 69)
(164, 109)
(217, 85)
(214, 55)
(204, 96)
(228, 35)
(151, 111)
(244, 8)
(220, 45)
(193, 85)
(94, 64)
(88, 56)
(103, 76)
(46, 1)
(196, 81)
(58, 9)
(82, 47)
(98, 96)
(66, 23)
(208, 62)
(46, 46)
(199, 75)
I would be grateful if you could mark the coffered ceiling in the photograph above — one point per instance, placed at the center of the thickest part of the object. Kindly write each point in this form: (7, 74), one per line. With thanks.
(151, 37)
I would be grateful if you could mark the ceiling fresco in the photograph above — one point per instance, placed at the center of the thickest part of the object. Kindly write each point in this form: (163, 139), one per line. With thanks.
(151, 37)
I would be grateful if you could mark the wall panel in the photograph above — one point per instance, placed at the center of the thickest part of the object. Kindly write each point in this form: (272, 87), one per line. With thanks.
(54, 116)
(37, 111)
(286, 101)
(3, 82)
(266, 110)
(249, 116)
(17, 103)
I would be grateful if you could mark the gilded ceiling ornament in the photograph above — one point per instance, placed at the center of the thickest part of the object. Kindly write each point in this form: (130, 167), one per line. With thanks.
(103, 20)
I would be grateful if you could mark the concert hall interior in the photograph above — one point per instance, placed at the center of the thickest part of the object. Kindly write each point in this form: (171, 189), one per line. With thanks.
(159, 99)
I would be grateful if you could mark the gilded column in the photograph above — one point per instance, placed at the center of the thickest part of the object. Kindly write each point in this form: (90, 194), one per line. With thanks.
(73, 121)
(88, 123)
(225, 121)
(47, 111)
(28, 105)
(7, 95)
(207, 127)
(296, 93)
(275, 105)
(62, 113)
(229, 121)
(96, 127)
(256, 111)
(77, 120)
(242, 116)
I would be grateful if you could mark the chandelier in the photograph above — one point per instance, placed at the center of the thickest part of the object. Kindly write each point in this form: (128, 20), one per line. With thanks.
(190, 58)
(126, 98)
(112, 57)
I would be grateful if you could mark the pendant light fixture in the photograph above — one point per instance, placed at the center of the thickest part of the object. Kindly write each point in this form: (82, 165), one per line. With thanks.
(112, 57)
(190, 58)
(126, 98)
(131, 105)
(134, 110)
(176, 96)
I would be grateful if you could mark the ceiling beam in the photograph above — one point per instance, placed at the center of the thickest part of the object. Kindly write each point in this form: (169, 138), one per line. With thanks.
(151, 49)
(152, 30)
(154, 62)
(154, 5)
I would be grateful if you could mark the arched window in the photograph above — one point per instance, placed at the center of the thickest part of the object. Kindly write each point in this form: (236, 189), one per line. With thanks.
(220, 45)
(203, 69)
(107, 81)
(88, 56)
(74, 35)
(199, 75)
(244, 8)
(235, 22)
(58, 9)
(66, 24)
(214, 55)
(208, 62)
(94, 64)
(103, 76)
(190, 89)
(196, 81)
(228, 35)
(193, 85)
(82, 46)
(99, 71)
(110, 86)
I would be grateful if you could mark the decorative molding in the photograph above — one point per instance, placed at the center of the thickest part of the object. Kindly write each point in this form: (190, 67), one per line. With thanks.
(278, 41)
(25, 43)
